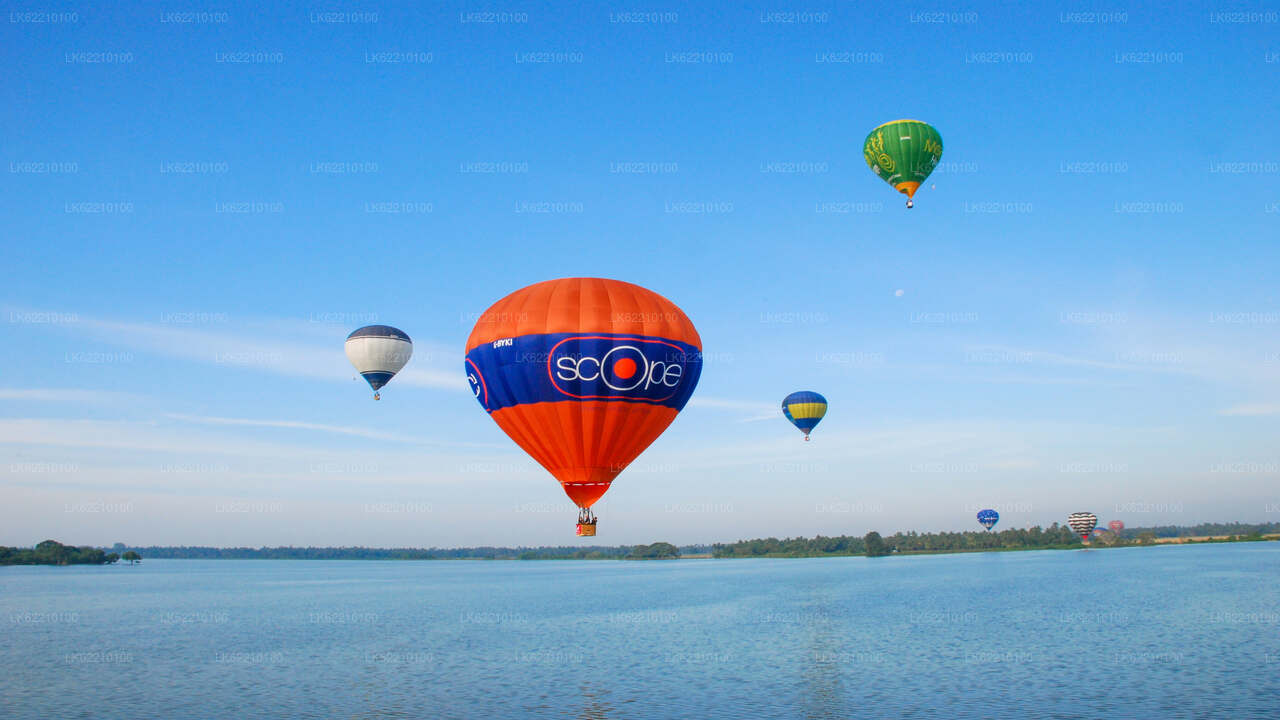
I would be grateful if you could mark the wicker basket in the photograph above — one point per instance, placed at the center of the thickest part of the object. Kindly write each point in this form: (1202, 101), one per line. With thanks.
(586, 529)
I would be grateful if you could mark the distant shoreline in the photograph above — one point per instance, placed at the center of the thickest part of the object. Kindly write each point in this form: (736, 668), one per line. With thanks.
(708, 556)
(1054, 537)
(1206, 540)
(1203, 540)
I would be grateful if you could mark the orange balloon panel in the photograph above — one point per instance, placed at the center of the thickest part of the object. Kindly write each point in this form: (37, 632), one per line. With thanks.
(583, 374)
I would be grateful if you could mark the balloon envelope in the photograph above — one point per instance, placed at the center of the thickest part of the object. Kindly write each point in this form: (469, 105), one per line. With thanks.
(805, 409)
(583, 374)
(378, 352)
(1116, 525)
(1082, 523)
(903, 153)
(988, 518)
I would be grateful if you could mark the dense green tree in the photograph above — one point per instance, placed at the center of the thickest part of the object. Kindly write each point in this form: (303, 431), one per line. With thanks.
(52, 552)
(656, 551)
(875, 545)
(131, 557)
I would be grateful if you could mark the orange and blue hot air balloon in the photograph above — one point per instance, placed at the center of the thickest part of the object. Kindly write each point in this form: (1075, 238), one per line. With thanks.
(583, 374)
(805, 410)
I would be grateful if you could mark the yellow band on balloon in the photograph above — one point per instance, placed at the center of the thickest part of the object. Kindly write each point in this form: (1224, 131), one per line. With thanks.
(807, 411)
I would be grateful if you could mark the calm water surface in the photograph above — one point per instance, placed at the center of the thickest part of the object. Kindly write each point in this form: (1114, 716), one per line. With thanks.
(1163, 632)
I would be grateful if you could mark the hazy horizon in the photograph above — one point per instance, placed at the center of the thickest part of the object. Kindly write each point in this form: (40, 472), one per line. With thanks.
(570, 544)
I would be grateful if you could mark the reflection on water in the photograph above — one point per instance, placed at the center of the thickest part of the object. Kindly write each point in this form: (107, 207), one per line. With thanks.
(1187, 631)
(595, 703)
(823, 690)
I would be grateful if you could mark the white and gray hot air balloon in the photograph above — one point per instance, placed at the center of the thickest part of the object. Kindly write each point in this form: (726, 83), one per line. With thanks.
(378, 352)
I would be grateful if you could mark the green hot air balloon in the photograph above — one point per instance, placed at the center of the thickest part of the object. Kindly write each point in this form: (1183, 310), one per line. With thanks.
(903, 153)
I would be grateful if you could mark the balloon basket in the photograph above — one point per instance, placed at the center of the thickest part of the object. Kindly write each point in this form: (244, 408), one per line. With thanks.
(586, 529)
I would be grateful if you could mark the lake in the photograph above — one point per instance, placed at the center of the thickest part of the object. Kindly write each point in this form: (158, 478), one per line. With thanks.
(1160, 632)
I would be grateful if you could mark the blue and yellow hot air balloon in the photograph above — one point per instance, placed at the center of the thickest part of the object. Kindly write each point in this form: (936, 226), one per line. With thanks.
(804, 409)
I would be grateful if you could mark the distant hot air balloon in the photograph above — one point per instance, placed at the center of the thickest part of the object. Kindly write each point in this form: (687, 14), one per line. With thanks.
(378, 352)
(583, 374)
(805, 410)
(1116, 525)
(988, 518)
(903, 153)
(1082, 523)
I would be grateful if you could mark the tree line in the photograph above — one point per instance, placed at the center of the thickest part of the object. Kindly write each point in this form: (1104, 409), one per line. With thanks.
(1235, 528)
(555, 552)
(908, 542)
(1035, 538)
(52, 552)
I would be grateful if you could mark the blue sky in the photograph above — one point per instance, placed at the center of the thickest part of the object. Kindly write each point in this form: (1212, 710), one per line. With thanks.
(1079, 314)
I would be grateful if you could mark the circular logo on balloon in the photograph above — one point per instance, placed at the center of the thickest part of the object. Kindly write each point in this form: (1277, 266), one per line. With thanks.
(618, 368)
(596, 367)
(476, 380)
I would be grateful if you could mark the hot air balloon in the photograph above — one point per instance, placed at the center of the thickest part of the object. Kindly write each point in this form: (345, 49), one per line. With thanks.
(1082, 523)
(805, 410)
(988, 519)
(378, 352)
(903, 153)
(1116, 525)
(583, 374)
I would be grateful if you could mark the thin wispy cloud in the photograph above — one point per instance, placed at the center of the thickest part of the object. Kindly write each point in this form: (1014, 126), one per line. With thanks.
(254, 350)
(839, 450)
(755, 411)
(1015, 356)
(66, 395)
(323, 428)
(1255, 410)
(189, 448)
(131, 436)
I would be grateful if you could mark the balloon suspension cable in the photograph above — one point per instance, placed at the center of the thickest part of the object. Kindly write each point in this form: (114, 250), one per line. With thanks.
(586, 517)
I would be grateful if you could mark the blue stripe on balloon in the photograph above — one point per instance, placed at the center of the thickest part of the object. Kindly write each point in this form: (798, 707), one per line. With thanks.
(561, 367)
(377, 379)
(807, 424)
(382, 331)
(803, 396)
